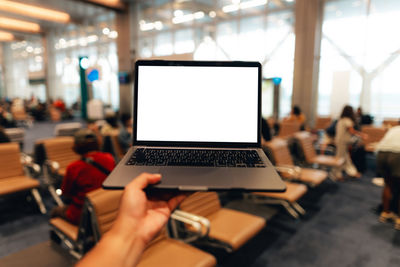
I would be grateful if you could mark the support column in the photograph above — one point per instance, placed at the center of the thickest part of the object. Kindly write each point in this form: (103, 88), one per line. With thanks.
(53, 88)
(308, 29)
(2, 88)
(45, 56)
(125, 26)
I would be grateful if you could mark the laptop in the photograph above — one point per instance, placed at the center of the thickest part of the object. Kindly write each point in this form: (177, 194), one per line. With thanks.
(197, 123)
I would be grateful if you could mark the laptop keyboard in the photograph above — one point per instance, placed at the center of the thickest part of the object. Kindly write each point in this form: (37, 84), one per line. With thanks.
(196, 157)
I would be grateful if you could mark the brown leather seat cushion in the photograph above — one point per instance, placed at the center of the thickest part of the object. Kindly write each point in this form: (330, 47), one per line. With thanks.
(328, 160)
(174, 253)
(234, 227)
(293, 192)
(67, 228)
(15, 184)
(62, 171)
(313, 176)
(106, 205)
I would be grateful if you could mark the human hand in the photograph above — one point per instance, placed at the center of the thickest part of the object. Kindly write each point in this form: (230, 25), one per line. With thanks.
(141, 214)
(138, 221)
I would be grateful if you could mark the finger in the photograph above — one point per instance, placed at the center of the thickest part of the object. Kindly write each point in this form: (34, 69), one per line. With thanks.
(145, 179)
(175, 201)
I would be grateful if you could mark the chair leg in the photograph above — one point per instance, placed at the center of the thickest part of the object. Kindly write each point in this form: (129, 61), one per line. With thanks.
(290, 210)
(298, 208)
(38, 199)
(56, 197)
(284, 203)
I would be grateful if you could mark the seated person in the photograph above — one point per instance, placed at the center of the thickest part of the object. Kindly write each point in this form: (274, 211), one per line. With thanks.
(388, 159)
(265, 131)
(3, 136)
(297, 116)
(110, 125)
(125, 134)
(84, 175)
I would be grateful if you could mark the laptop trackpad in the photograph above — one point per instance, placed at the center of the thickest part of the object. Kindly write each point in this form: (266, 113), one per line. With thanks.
(193, 179)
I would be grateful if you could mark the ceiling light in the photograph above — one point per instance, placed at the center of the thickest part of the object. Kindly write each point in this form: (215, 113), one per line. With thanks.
(34, 11)
(110, 3)
(113, 34)
(158, 25)
(92, 38)
(252, 3)
(212, 14)
(244, 5)
(188, 17)
(146, 26)
(198, 15)
(178, 13)
(29, 49)
(6, 36)
(19, 25)
(106, 31)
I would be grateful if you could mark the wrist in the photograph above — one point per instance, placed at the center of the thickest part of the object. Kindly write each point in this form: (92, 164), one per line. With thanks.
(126, 244)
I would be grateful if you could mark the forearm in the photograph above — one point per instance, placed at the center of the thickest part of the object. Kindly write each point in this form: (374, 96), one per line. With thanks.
(118, 247)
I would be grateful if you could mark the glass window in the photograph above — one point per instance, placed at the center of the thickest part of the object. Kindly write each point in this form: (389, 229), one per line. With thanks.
(359, 58)
(163, 44)
(184, 41)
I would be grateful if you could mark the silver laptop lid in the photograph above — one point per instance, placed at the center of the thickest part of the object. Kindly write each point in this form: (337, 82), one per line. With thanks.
(197, 103)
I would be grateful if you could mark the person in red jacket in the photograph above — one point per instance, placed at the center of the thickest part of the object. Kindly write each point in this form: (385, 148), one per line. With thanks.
(83, 176)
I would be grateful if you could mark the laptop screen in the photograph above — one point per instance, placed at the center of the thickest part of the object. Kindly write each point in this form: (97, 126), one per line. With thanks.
(197, 103)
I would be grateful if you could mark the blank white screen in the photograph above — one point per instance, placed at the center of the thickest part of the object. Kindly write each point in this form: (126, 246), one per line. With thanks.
(197, 104)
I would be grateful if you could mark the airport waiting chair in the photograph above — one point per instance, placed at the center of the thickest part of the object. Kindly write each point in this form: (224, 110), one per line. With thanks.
(390, 122)
(57, 155)
(288, 128)
(12, 176)
(165, 251)
(282, 159)
(332, 163)
(21, 117)
(55, 114)
(16, 135)
(111, 145)
(224, 228)
(288, 199)
(375, 134)
(99, 212)
(321, 123)
(67, 129)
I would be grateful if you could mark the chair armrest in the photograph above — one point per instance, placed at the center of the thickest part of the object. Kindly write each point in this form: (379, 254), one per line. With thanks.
(293, 171)
(52, 165)
(197, 222)
(27, 161)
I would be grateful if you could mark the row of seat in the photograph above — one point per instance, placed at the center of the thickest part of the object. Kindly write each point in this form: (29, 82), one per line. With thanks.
(202, 214)
(99, 211)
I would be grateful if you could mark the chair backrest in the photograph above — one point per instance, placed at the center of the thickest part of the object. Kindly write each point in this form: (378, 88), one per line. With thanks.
(322, 123)
(105, 205)
(67, 129)
(390, 122)
(306, 142)
(55, 114)
(375, 134)
(19, 113)
(201, 203)
(10, 160)
(280, 151)
(59, 149)
(15, 134)
(288, 128)
(118, 153)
